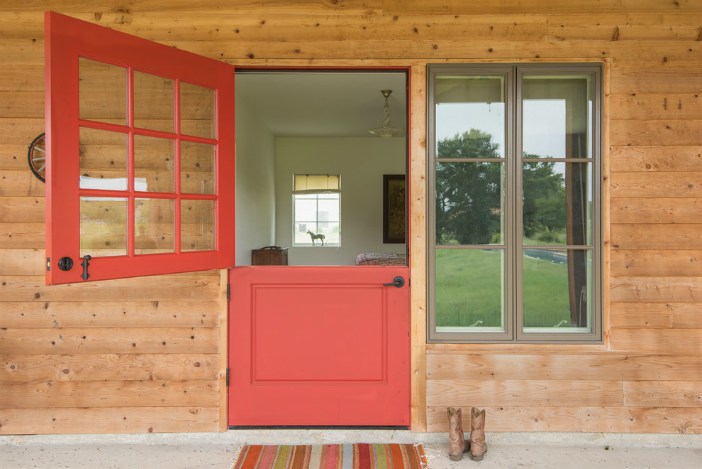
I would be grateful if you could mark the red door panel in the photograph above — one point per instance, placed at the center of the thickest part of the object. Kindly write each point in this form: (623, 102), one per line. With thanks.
(321, 346)
(119, 211)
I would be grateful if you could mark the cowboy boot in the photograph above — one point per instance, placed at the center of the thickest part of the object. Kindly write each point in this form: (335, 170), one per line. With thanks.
(457, 441)
(478, 446)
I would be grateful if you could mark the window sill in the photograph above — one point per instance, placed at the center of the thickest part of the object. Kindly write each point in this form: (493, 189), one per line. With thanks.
(519, 348)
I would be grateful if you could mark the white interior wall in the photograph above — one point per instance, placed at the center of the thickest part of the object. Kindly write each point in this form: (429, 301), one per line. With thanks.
(362, 162)
(255, 184)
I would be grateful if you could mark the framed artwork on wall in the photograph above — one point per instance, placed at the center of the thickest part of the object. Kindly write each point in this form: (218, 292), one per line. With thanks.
(394, 212)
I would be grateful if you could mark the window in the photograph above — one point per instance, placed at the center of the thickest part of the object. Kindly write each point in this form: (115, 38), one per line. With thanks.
(140, 177)
(514, 232)
(316, 210)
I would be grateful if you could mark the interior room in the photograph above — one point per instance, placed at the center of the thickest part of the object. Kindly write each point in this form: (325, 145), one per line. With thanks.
(320, 164)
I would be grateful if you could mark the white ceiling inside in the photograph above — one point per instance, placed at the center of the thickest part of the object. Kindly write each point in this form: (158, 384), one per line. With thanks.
(321, 104)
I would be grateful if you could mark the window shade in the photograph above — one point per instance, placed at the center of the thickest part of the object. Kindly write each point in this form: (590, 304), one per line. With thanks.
(303, 183)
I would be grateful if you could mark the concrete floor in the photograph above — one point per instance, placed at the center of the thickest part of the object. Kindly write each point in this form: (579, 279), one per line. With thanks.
(218, 450)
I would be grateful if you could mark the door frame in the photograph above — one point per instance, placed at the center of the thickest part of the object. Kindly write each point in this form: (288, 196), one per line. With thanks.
(417, 408)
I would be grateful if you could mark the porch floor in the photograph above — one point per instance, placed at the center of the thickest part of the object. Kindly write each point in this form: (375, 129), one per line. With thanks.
(218, 450)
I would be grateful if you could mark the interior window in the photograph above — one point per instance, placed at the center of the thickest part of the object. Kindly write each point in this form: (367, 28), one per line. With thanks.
(316, 210)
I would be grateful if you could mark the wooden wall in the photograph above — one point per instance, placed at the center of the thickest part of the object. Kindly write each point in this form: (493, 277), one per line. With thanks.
(147, 354)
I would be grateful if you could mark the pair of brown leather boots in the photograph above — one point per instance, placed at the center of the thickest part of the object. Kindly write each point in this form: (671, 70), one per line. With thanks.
(457, 443)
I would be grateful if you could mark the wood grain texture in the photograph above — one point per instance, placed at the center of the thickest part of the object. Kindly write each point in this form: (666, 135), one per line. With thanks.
(656, 236)
(104, 367)
(662, 341)
(122, 419)
(643, 185)
(102, 314)
(656, 289)
(580, 419)
(94, 394)
(109, 340)
(571, 367)
(22, 235)
(662, 394)
(172, 287)
(537, 6)
(137, 334)
(418, 254)
(661, 211)
(656, 158)
(656, 315)
(653, 263)
(531, 392)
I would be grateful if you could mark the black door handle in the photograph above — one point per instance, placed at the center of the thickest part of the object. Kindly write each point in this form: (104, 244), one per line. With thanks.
(397, 282)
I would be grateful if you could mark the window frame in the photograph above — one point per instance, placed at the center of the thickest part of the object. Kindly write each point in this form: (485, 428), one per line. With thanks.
(317, 193)
(513, 244)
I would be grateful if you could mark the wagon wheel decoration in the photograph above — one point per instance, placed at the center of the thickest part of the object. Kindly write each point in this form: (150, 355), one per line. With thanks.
(36, 157)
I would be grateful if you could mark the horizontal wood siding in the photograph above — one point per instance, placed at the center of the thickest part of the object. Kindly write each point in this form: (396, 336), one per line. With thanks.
(146, 355)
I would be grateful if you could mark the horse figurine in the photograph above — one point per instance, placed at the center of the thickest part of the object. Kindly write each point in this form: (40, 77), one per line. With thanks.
(319, 236)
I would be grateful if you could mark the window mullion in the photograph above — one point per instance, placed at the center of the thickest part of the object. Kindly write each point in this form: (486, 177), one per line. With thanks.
(517, 199)
(130, 163)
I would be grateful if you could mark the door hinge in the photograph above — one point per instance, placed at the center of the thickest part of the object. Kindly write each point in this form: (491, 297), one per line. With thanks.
(229, 291)
(226, 378)
(48, 264)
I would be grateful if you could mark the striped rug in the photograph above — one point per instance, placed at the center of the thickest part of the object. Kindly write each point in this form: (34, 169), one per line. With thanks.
(358, 456)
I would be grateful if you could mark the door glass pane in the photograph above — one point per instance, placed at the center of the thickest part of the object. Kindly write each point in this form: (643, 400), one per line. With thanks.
(470, 116)
(197, 108)
(103, 159)
(153, 102)
(556, 116)
(102, 92)
(557, 206)
(557, 290)
(154, 229)
(469, 290)
(153, 164)
(103, 226)
(197, 168)
(469, 203)
(197, 225)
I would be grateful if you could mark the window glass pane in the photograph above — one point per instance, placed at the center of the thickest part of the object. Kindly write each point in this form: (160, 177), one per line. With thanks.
(469, 203)
(557, 207)
(556, 116)
(197, 225)
(470, 112)
(328, 209)
(153, 164)
(197, 110)
(306, 208)
(316, 216)
(102, 92)
(103, 226)
(469, 290)
(153, 102)
(197, 168)
(154, 229)
(557, 290)
(103, 159)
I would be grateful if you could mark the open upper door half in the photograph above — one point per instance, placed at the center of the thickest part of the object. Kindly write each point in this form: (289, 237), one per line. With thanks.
(140, 167)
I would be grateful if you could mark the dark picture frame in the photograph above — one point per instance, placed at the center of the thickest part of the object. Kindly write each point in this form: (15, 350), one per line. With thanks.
(394, 208)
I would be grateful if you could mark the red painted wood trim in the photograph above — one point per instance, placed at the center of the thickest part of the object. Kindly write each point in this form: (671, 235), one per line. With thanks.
(67, 39)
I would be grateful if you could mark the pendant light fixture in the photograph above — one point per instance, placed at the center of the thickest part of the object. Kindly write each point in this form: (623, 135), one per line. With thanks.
(386, 130)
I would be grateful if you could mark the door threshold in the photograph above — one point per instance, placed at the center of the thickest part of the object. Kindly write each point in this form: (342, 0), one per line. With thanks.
(317, 427)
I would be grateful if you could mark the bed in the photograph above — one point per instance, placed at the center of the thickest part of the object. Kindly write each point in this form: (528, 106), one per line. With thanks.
(380, 258)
